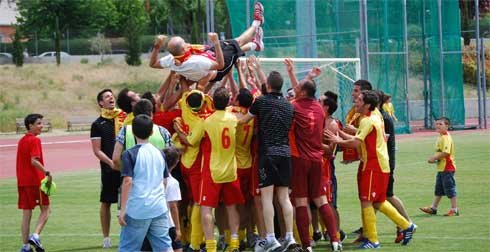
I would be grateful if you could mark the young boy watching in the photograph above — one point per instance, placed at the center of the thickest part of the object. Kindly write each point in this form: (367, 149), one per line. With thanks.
(144, 210)
(446, 167)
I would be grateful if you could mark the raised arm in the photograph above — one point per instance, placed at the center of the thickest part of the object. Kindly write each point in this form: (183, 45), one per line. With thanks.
(160, 40)
(256, 64)
(290, 69)
(220, 61)
(241, 67)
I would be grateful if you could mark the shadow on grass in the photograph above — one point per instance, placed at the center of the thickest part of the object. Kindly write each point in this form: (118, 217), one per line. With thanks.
(91, 248)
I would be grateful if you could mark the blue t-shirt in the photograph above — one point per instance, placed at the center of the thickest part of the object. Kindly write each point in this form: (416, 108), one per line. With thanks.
(146, 165)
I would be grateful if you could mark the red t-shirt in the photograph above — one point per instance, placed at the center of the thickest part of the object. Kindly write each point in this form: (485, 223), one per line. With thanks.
(308, 124)
(29, 146)
(165, 119)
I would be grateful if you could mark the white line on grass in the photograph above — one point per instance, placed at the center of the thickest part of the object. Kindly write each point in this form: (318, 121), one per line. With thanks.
(48, 143)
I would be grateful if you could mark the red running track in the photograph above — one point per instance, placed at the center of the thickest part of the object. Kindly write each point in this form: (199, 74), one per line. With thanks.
(61, 153)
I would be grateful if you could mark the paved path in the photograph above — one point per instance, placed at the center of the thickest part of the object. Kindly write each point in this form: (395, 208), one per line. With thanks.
(61, 153)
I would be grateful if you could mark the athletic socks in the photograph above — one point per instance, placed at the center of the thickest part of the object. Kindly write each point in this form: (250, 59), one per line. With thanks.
(196, 231)
(211, 245)
(387, 209)
(256, 23)
(242, 234)
(234, 243)
(369, 229)
(270, 237)
(328, 217)
(303, 224)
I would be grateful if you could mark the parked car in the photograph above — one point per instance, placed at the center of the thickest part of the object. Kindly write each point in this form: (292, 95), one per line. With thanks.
(5, 58)
(53, 54)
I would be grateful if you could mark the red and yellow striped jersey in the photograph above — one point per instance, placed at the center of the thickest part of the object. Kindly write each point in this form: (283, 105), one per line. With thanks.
(445, 144)
(244, 135)
(218, 145)
(374, 152)
(190, 120)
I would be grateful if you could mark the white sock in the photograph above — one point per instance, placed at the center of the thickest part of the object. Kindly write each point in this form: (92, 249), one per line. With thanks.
(26, 246)
(252, 45)
(35, 235)
(454, 209)
(256, 23)
(234, 236)
(289, 236)
(270, 237)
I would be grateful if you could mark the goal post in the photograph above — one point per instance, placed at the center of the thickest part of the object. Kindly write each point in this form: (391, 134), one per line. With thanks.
(338, 75)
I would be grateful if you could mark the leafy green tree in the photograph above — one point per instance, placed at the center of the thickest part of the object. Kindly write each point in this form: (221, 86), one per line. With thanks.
(56, 16)
(99, 44)
(132, 23)
(18, 52)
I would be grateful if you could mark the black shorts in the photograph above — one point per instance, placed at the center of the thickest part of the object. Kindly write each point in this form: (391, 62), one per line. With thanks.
(391, 181)
(111, 181)
(274, 170)
(231, 52)
(175, 244)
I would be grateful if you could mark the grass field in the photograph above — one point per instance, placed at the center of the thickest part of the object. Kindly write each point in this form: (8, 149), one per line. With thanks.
(74, 223)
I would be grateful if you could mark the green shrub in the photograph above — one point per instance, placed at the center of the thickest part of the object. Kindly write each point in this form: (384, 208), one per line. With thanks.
(83, 61)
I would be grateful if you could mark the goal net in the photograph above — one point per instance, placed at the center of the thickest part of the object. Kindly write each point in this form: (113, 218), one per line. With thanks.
(338, 75)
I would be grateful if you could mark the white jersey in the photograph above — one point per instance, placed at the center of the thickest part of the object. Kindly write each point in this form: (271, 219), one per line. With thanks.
(194, 68)
(173, 194)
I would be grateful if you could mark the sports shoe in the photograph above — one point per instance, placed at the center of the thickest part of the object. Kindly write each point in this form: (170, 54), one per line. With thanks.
(336, 246)
(408, 233)
(369, 245)
(308, 249)
(36, 242)
(259, 39)
(452, 213)
(399, 236)
(259, 12)
(26, 249)
(428, 210)
(266, 246)
(357, 231)
(343, 236)
(221, 244)
(252, 239)
(317, 235)
(107, 243)
(360, 239)
(288, 244)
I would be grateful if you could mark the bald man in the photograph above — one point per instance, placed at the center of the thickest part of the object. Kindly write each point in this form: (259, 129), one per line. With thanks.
(203, 64)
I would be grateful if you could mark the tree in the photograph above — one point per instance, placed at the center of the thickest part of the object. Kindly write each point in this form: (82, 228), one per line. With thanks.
(468, 23)
(56, 16)
(18, 52)
(132, 25)
(100, 45)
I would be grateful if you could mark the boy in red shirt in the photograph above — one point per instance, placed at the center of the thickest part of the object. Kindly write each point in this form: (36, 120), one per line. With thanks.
(30, 171)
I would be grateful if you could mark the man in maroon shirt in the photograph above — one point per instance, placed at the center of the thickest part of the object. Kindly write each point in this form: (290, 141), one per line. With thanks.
(30, 171)
(308, 124)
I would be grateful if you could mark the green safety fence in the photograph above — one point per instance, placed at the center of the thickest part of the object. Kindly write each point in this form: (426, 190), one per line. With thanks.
(331, 29)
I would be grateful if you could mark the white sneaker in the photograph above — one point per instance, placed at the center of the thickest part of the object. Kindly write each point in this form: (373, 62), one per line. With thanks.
(336, 246)
(259, 39)
(266, 246)
(259, 12)
(288, 244)
(107, 243)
